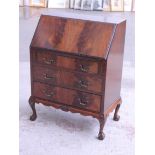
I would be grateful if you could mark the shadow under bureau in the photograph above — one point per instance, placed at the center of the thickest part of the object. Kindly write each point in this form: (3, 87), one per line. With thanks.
(76, 65)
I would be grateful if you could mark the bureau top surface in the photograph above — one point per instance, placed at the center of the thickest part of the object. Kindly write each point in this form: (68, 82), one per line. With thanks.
(76, 36)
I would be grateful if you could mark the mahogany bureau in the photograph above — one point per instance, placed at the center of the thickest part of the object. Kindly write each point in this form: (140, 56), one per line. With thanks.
(76, 65)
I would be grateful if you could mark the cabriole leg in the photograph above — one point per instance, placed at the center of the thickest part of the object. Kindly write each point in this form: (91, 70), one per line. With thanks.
(102, 121)
(116, 116)
(32, 105)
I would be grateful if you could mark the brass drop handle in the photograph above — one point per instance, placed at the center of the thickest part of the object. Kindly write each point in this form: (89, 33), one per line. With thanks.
(83, 103)
(83, 69)
(83, 84)
(48, 77)
(52, 61)
(48, 94)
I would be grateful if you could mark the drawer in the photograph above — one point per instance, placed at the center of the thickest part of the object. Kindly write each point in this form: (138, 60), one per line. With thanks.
(68, 79)
(81, 65)
(66, 96)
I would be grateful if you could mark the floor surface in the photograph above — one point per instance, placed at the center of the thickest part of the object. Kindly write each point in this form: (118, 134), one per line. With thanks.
(62, 133)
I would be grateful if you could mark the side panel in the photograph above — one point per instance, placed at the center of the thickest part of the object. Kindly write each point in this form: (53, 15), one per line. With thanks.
(114, 67)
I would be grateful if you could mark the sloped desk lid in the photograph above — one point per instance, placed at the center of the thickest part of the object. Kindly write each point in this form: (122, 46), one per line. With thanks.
(91, 38)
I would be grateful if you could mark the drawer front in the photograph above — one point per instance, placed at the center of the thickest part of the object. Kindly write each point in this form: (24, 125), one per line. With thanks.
(68, 79)
(67, 96)
(80, 65)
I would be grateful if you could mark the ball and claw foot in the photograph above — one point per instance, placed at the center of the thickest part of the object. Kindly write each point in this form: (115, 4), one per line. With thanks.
(116, 116)
(33, 117)
(101, 136)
